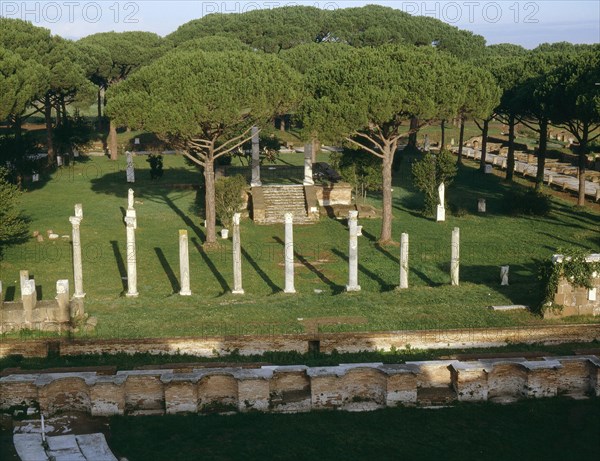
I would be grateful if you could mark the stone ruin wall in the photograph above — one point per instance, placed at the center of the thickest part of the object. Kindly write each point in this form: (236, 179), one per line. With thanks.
(29, 313)
(576, 300)
(355, 387)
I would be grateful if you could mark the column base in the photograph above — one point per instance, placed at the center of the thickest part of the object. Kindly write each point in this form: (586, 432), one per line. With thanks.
(255, 184)
(132, 295)
(292, 291)
(353, 288)
(185, 293)
(79, 295)
(237, 292)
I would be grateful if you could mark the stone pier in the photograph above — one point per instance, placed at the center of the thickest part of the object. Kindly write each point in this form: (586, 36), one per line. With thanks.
(131, 222)
(308, 167)
(403, 261)
(29, 300)
(184, 263)
(289, 253)
(62, 299)
(23, 280)
(237, 256)
(353, 252)
(455, 263)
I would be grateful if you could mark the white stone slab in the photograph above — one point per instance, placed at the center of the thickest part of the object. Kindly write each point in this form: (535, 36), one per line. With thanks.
(94, 447)
(513, 307)
(29, 447)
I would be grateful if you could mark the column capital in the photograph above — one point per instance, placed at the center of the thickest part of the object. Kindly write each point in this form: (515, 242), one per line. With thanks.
(75, 221)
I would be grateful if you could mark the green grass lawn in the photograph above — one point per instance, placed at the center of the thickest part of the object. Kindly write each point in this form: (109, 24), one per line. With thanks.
(487, 242)
(545, 429)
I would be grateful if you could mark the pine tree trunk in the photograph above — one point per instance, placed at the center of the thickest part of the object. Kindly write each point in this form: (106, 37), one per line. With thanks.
(59, 121)
(582, 165)
(414, 128)
(386, 223)
(210, 213)
(461, 139)
(541, 154)
(112, 141)
(49, 134)
(443, 141)
(100, 104)
(510, 161)
(484, 136)
(282, 123)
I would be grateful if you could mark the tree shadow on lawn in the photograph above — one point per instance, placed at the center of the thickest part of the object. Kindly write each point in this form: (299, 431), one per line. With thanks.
(211, 266)
(336, 289)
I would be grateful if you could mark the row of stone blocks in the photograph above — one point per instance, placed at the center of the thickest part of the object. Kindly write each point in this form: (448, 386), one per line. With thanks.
(298, 388)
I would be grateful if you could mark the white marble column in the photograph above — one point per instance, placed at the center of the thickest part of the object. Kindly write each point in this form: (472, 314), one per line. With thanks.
(455, 263)
(289, 253)
(77, 260)
(130, 212)
(131, 223)
(441, 208)
(237, 257)
(308, 172)
(184, 263)
(353, 252)
(255, 182)
(404, 261)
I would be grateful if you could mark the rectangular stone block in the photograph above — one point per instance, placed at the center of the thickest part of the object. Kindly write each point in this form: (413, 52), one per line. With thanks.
(541, 382)
(181, 397)
(326, 392)
(108, 399)
(470, 383)
(253, 394)
(401, 390)
(144, 394)
(290, 391)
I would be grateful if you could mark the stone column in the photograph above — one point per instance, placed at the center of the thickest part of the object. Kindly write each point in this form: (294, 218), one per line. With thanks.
(308, 173)
(1, 295)
(130, 171)
(77, 262)
(131, 223)
(78, 210)
(289, 253)
(184, 263)
(404, 261)
(481, 205)
(23, 280)
(353, 252)
(504, 275)
(29, 300)
(130, 199)
(237, 257)
(256, 182)
(62, 299)
(441, 208)
(455, 263)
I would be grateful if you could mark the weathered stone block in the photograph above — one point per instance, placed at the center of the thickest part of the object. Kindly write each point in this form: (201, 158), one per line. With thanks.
(144, 393)
(217, 393)
(107, 398)
(253, 394)
(69, 393)
(181, 397)
(290, 390)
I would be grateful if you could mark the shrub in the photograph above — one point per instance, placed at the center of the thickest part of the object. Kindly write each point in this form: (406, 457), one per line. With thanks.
(526, 202)
(228, 198)
(156, 166)
(358, 168)
(431, 171)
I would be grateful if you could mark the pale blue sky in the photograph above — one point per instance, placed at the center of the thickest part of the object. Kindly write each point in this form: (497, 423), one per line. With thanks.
(526, 23)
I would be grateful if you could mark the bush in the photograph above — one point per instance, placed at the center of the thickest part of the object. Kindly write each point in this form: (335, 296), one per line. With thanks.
(431, 171)
(156, 166)
(358, 168)
(228, 198)
(526, 202)
(13, 227)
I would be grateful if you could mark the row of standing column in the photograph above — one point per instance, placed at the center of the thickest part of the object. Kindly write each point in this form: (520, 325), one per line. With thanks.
(184, 264)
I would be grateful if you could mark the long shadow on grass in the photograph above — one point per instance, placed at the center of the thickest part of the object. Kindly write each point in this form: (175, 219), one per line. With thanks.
(335, 287)
(185, 218)
(379, 248)
(120, 263)
(263, 275)
(382, 283)
(168, 271)
(211, 266)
